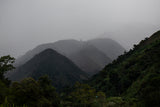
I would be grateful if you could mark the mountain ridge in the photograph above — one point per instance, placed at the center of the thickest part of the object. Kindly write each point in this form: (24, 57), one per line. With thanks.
(60, 69)
(69, 48)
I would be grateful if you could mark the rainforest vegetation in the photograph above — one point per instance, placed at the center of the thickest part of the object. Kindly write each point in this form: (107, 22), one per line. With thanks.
(132, 80)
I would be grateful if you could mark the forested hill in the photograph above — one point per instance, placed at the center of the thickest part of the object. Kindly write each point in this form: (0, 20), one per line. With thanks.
(136, 74)
(132, 80)
(60, 69)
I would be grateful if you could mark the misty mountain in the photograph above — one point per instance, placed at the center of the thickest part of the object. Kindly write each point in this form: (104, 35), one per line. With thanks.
(60, 69)
(90, 59)
(63, 47)
(111, 48)
(102, 51)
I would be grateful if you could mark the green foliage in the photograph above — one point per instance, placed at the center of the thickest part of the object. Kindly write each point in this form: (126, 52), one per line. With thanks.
(83, 95)
(48, 91)
(131, 75)
(3, 92)
(121, 102)
(115, 102)
(150, 91)
(25, 92)
(12, 105)
(5, 65)
(33, 93)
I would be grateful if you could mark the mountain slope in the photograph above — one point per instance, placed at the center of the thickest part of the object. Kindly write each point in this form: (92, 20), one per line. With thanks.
(111, 48)
(90, 59)
(60, 70)
(136, 74)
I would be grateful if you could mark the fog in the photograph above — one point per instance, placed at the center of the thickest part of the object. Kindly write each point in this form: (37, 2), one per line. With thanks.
(25, 24)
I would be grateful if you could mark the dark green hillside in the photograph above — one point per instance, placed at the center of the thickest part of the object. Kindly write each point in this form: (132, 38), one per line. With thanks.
(59, 69)
(136, 74)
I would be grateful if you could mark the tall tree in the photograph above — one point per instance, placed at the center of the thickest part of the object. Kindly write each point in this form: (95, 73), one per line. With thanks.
(5, 65)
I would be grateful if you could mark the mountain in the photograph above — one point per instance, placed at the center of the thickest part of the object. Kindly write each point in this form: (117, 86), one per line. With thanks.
(111, 48)
(63, 47)
(90, 59)
(134, 75)
(60, 69)
(74, 49)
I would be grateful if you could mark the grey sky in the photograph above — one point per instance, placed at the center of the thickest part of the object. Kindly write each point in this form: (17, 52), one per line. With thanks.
(25, 24)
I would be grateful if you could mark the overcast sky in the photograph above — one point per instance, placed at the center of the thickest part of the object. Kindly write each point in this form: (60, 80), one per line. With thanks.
(25, 24)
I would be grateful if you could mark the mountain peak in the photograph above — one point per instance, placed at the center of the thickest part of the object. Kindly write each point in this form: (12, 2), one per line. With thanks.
(59, 68)
(48, 51)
